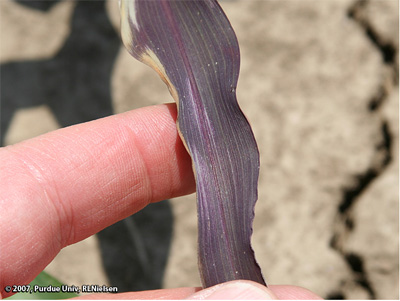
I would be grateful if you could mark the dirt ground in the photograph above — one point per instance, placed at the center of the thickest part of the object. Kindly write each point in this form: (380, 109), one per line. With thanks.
(319, 85)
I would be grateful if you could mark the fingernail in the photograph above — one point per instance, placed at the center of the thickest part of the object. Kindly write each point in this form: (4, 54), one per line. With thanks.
(235, 290)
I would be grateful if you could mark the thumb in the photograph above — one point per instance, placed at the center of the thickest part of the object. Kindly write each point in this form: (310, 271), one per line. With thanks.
(235, 290)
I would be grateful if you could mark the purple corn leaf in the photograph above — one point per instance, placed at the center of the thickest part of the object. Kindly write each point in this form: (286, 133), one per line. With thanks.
(192, 46)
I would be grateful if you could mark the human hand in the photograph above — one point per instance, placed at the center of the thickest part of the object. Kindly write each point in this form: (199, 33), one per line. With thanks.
(64, 186)
(233, 290)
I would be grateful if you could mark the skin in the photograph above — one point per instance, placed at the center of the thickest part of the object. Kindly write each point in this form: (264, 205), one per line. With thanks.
(64, 186)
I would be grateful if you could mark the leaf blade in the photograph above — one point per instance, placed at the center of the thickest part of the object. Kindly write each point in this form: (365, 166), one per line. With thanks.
(193, 47)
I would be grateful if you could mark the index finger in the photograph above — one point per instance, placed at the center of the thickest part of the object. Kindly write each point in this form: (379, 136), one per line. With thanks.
(64, 186)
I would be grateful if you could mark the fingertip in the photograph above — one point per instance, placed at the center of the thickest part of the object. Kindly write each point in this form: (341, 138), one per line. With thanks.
(292, 292)
(235, 290)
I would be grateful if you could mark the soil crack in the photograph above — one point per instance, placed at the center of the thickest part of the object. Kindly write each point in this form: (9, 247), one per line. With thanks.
(344, 223)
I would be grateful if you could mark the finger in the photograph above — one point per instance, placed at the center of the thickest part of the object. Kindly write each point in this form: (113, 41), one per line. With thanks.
(249, 290)
(162, 294)
(64, 186)
(235, 290)
(291, 292)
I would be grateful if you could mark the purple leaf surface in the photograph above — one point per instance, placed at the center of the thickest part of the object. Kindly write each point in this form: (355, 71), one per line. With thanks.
(192, 46)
